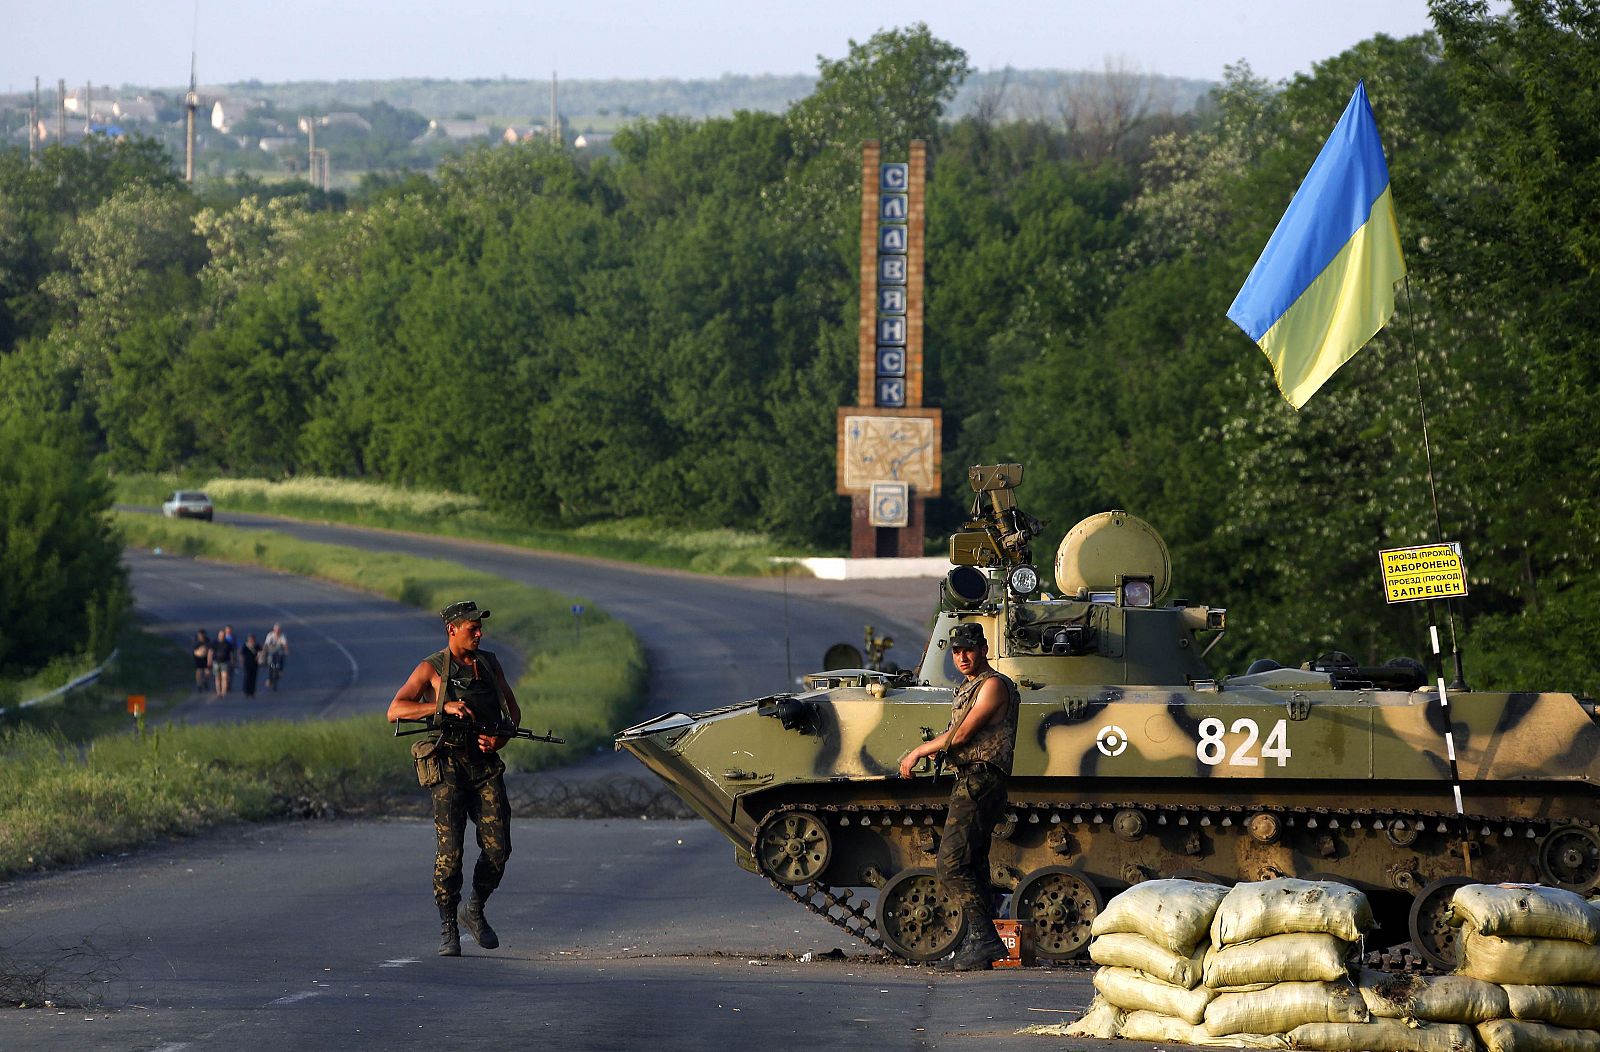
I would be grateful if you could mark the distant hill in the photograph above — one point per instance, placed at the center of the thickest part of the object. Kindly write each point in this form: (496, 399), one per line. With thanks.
(606, 104)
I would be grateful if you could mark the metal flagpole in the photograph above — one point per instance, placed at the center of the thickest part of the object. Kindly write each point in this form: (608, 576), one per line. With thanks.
(1433, 627)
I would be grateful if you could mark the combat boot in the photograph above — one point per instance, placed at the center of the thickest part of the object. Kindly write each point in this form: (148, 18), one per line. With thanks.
(975, 952)
(449, 934)
(474, 921)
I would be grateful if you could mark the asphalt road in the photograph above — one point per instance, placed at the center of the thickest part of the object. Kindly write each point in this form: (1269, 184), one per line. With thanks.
(615, 934)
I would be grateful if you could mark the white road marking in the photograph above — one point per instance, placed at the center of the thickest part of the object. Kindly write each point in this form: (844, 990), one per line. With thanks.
(289, 999)
(399, 962)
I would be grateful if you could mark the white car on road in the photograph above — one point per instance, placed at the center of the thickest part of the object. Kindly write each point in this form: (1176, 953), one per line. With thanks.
(188, 504)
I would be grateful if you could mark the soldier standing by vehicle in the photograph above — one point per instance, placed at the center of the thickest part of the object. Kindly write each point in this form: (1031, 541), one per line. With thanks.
(979, 743)
(467, 779)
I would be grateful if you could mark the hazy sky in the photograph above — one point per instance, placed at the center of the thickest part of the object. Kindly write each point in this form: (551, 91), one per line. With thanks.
(147, 41)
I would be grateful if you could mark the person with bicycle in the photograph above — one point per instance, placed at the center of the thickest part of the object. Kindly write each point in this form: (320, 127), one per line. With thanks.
(274, 650)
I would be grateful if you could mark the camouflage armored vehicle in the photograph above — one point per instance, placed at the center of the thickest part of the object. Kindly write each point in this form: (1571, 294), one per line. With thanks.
(1134, 760)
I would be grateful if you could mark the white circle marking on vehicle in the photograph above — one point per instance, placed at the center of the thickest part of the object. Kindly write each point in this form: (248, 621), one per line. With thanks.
(1111, 740)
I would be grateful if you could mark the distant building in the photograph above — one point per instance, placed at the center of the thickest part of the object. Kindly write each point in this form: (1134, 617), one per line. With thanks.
(592, 140)
(136, 109)
(345, 120)
(455, 129)
(527, 133)
(47, 129)
(270, 143)
(227, 111)
(98, 107)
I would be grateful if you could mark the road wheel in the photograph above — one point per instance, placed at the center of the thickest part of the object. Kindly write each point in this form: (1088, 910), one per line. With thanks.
(1569, 857)
(1432, 934)
(793, 847)
(1061, 903)
(917, 919)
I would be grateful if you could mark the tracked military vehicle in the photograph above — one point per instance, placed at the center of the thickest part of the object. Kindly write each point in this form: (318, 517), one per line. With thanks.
(1134, 760)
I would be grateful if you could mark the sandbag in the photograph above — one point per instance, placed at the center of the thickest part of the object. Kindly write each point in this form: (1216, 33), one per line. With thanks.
(1387, 994)
(1531, 912)
(1296, 957)
(1574, 1006)
(1389, 1035)
(1127, 950)
(1165, 1029)
(1533, 962)
(1516, 1035)
(1276, 907)
(1458, 999)
(1281, 1008)
(1102, 1020)
(1171, 913)
(1134, 991)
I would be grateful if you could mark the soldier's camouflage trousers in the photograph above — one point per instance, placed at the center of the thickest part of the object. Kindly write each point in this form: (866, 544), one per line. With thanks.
(976, 803)
(475, 794)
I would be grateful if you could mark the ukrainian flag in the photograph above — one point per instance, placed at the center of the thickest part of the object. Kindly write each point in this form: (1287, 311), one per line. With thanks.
(1324, 285)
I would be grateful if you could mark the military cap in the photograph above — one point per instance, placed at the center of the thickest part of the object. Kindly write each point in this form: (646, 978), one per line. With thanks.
(968, 634)
(465, 610)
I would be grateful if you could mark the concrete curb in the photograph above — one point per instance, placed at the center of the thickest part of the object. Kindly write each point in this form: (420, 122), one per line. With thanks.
(865, 569)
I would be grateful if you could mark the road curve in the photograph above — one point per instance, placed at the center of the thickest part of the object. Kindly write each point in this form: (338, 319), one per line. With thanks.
(709, 641)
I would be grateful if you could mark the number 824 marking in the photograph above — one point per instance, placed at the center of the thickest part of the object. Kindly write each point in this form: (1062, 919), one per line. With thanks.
(1211, 749)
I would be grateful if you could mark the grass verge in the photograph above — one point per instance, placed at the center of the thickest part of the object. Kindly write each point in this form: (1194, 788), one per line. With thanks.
(145, 664)
(62, 803)
(644, 541)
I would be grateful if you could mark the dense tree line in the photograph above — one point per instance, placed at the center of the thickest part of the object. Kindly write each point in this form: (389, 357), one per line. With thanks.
(667, 332)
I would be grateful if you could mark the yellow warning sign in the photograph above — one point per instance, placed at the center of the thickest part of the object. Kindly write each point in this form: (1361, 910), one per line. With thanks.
(1431, 571)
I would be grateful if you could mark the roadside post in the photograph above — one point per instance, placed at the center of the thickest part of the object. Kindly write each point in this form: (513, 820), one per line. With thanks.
(1430, 572)
(577, 622)
(136, 710)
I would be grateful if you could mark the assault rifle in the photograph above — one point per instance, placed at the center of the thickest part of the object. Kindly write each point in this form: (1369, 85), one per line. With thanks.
(459, 731)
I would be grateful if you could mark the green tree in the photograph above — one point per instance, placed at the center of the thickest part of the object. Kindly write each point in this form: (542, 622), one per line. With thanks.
(62, 586)
(1523, 255)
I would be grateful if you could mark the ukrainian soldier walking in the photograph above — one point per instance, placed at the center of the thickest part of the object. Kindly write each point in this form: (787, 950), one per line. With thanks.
(465, 775)
(979, 744)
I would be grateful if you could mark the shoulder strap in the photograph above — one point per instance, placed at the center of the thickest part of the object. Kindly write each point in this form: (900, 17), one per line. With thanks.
(496, 674)
(441, 664)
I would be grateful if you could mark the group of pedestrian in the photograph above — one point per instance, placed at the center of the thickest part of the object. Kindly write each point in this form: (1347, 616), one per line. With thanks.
(216, 657)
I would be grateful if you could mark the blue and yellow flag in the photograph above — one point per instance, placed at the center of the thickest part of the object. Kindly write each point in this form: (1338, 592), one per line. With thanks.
(1324, 285)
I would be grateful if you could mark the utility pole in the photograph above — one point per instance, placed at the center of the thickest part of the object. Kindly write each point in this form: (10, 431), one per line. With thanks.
(555, 112)
(191, 103)
(61, 110)
(33, 126)
(311, 150)
(88, 107)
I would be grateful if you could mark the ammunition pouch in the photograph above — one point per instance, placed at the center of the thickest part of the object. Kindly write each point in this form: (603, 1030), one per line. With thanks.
(428, 757)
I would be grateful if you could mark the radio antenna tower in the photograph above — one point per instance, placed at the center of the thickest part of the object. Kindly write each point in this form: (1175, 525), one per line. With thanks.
(191, 101)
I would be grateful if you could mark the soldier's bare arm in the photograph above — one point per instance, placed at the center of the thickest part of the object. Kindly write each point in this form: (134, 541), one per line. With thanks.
(985, 709)
(988, 706)
(414, 699)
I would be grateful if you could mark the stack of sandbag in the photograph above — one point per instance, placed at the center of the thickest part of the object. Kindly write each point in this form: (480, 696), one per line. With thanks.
(1150, 942)
(1419, 1012)
(1279, 963)
(1543, 946)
